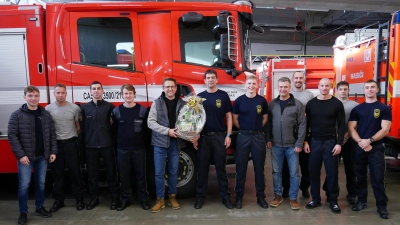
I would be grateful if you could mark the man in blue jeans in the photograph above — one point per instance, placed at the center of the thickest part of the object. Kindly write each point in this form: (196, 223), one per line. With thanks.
(162, 119)
(286, 136)
(32, 137)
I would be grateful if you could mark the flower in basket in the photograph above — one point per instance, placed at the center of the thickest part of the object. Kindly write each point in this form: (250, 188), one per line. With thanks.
(191, 117)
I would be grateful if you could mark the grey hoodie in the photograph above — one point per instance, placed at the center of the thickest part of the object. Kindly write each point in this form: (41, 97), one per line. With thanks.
(286, 128)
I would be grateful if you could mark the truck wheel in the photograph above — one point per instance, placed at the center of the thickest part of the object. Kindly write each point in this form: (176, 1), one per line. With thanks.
(187, 173)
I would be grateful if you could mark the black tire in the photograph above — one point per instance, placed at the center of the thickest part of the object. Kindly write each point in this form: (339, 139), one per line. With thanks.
(187, 173)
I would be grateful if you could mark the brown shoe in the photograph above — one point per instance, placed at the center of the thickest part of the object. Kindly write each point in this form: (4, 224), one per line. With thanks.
(160, 204)
(277, 201)
(294, 204)
(173, 202)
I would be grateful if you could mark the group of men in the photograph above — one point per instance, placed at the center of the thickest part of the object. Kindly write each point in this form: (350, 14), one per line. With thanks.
(308, 131)
(302, 130)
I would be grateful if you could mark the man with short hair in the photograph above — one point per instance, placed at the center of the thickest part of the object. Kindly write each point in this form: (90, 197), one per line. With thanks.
(285, 134)
(66, 121)
(32, 137)
(162, 121)
(303, 96)
(214, 139)
(98, 136)
(326, 129)
(342, 89)
(369, 123)
(250, 114)
(128, 125)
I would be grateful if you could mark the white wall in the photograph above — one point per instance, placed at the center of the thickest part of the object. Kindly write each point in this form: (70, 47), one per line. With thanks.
(276, 49)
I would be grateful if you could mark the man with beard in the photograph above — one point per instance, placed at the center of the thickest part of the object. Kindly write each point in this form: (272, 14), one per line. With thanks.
(214, 139)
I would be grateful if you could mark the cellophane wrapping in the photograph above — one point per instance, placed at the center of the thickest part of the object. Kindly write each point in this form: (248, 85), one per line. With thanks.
(191, 117)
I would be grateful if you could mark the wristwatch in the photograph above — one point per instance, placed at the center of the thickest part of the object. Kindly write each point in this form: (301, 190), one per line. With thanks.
(371, 140)
(228, 135)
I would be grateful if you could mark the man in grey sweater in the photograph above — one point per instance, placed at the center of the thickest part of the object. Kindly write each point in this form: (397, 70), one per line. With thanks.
(285, 134)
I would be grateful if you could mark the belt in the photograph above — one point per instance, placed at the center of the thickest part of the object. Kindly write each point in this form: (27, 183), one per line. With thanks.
(213, 134)
(66, 140)
(252, 132)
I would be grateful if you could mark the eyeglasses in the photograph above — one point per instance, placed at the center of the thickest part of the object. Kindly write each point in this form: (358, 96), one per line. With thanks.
(169, 87)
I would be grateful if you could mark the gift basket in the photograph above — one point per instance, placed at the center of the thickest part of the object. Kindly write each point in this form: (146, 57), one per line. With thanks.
(191, 117)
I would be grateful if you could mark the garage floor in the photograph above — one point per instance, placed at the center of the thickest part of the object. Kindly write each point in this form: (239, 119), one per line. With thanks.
(213, 212)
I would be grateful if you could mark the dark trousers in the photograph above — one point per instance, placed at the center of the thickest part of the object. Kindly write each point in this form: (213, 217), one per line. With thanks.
(93, 163)
(67, 157)
(375, 160)
(212, 147)
(346, 154)
(321, 151)
(128, 160)
(305, 175)
(256, 145)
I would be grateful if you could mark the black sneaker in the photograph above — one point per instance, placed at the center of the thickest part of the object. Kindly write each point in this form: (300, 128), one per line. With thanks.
(312, 205)
(199, 203)
(238, 203)
(42, 212)
(23, 218)
(359, 206)
(351, 199)
(263, 204)
(335, 208)
(228, 204)
(383, 213)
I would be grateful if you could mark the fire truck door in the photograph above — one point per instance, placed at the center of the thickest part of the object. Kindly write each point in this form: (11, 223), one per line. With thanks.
(14, 74)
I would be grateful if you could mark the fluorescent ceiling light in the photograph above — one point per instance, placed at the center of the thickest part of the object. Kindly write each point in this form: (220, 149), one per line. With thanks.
(311, 9)
(283, 29)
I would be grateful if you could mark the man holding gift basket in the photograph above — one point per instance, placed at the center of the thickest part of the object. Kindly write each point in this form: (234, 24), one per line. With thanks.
(162, 119)
(214, 139)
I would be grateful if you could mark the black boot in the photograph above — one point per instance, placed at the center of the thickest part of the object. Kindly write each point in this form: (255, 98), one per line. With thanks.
(80, 204)
(57, 205)
(93, 203)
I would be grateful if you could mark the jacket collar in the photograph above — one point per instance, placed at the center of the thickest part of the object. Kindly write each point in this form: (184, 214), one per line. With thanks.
(24, 108)
(291, 100)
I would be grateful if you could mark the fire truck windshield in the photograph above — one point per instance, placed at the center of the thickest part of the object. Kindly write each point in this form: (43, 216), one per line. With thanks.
(200, 45)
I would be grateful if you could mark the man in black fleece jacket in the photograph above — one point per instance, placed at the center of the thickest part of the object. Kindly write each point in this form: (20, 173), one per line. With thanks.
(96, 124)
(325, 132)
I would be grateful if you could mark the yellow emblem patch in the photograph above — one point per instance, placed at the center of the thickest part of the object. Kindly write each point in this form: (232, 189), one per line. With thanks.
(218, 103)
(259, 109)
(377, 113)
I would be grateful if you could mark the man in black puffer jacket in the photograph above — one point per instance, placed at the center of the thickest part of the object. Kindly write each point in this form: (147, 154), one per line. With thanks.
(32, 137)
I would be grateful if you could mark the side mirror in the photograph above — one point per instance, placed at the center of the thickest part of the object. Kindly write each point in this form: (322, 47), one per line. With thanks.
(192, 20)
(224, 49)
(222, 19)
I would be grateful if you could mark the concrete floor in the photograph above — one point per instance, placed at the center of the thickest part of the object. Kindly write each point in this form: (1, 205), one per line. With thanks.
(213, 212)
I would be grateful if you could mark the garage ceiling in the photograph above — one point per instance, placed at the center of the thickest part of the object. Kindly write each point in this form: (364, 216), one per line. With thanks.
(318, 22)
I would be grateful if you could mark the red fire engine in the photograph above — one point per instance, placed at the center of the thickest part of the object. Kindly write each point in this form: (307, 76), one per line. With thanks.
(314, 68)
(373, 54)
(117, 43)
